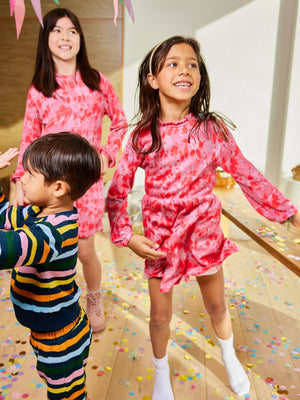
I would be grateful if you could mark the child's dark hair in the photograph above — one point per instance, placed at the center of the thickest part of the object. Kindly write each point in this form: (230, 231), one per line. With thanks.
(64, 156)
(44, 74)
(149, 103)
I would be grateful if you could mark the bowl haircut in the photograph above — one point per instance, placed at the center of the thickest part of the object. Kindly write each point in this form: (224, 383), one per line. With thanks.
(64, 156)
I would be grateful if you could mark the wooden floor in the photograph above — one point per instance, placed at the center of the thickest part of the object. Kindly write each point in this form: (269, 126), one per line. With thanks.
(264, 302)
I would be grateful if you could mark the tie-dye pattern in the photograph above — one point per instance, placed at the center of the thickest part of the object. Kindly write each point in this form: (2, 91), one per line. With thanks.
(180, 212)
(75, 108)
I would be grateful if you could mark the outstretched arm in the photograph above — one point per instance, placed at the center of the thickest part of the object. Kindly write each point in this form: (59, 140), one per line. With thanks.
(6, 157)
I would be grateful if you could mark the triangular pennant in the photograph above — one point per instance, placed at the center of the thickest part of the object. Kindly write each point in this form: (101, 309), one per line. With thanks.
(19, 11)
(129, 9)
(116, 7)
(12, 6)
(36, 4)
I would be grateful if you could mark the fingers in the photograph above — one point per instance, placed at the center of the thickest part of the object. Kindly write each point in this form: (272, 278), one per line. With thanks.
(104, 164)
(145, 248)
(6, 157)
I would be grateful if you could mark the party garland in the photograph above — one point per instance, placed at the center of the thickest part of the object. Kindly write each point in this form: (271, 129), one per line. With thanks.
(17, 7)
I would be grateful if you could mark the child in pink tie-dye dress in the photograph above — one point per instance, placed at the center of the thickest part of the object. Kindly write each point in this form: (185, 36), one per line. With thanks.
(67, 94)
(179, 143)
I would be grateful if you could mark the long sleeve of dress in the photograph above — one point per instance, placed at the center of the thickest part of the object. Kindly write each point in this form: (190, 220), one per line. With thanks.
(260, 192)
(118, 127)
(32, 129)
(116, 201)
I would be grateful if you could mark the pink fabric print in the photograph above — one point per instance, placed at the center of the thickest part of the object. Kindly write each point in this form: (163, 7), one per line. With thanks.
(76, 108)
(180, 212)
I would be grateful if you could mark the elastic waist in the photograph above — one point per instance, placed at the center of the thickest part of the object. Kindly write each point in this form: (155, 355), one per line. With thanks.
(60, 332)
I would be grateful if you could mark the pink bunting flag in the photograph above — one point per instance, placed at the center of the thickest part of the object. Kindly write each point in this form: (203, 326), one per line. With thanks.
(19, 11)
(12, 6)
(116, 7)
(128, 6)
(129, 9)
(36, 4)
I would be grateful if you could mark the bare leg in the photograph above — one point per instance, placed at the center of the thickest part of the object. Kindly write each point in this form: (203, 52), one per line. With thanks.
(212, 288)
(92, 274)
(90, 263)
(160, 317)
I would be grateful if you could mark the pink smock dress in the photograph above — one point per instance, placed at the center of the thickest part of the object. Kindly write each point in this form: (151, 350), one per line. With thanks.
(180, 212)
(74, 107)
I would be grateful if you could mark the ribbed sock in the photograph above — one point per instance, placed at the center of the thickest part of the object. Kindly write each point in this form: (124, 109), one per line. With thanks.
(238, 378)
(162, 389)
(94, 291)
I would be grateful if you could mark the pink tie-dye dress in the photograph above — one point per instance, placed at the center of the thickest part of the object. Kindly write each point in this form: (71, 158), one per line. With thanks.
(75, 108)
(180, 212)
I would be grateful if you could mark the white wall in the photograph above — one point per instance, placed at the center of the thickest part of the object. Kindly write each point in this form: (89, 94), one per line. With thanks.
(238, 44)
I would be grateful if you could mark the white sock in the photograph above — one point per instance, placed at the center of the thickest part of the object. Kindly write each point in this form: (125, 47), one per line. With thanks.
(238, 378)
(162, 389)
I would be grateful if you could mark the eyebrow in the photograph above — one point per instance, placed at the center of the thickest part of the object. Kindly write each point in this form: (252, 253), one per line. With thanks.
(177, 57)
(60, 27)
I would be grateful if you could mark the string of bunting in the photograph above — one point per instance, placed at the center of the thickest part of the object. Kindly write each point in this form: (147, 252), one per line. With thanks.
(17, 7)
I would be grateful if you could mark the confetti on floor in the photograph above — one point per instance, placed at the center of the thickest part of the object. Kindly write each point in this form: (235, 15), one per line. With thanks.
(263, 298)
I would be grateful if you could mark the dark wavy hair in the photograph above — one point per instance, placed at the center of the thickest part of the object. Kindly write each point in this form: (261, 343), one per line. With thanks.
(44, 74)
(149, 102)
(64, 156)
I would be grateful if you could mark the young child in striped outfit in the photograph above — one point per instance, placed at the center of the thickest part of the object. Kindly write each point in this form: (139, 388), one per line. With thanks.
(40, 243)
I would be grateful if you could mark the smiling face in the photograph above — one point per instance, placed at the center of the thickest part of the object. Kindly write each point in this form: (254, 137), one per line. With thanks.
(64, 42)
(179, 78)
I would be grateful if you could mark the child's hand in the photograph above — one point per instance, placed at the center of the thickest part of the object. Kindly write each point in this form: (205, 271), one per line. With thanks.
(6, 157)
(296, 220)
(144, 247)
(104, 164)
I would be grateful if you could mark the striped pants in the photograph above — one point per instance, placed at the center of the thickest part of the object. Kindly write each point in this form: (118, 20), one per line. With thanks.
(62, 357)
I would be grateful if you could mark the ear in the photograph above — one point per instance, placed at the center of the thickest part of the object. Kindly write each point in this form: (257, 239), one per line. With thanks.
(152, 81)
(61, 188)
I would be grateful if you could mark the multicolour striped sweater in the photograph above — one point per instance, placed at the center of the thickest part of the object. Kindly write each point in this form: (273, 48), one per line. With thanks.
(42, 251)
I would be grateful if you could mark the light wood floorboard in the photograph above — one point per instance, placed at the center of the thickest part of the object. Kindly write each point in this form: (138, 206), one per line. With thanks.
(264, 302)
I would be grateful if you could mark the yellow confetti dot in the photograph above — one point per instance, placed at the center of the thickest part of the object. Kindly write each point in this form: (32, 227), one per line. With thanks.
(146, 398)
(150, 370)
(149, 377)
(211, 342)
(187, 357)
(139, 378)
(250, 365)
(217, 391)
(108, 368)
(207, 356)
(125, 340)
(186, 312)
(182, 378)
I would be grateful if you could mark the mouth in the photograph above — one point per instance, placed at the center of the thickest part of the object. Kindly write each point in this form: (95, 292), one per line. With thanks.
(65, 47)
(183, 84)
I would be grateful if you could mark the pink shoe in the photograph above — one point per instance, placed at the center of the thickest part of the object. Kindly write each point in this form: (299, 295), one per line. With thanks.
(95, 311)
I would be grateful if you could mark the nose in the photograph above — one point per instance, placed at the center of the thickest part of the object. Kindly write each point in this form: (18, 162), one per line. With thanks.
(183, 70)
(23, 178)
(65, 35)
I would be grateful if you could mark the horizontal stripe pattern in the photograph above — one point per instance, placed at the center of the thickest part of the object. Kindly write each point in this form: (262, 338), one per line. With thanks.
(61, 359)
(42, 251)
